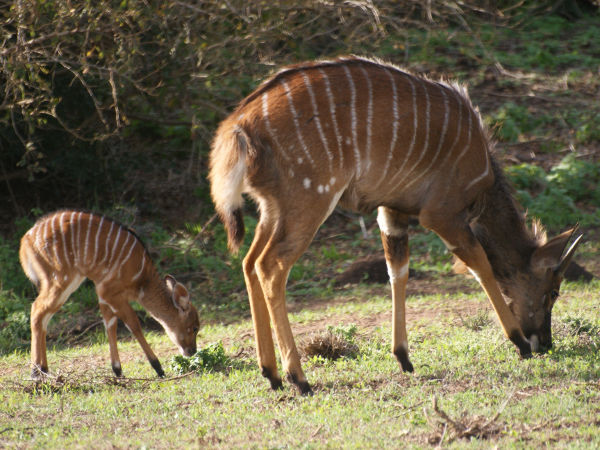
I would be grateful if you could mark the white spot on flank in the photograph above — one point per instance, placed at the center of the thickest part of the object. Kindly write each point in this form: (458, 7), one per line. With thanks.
(306, 183)
(332, 181)
(291, 172)
(348, 141)
(300, 160)
(326, 188)
(320, 189)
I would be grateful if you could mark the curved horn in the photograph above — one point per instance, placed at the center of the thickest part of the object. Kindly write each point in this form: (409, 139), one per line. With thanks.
(567, 256)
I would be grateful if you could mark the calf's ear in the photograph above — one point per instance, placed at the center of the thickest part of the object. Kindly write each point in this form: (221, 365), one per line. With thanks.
(552, 254)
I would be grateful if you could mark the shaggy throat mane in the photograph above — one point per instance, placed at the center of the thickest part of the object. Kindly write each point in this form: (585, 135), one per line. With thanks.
(500, 227)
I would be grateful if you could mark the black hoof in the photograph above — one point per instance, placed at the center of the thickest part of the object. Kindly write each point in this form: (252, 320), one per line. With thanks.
(117, 371)
(273, 377)
(158, 368)
(402, 357)
(522, 344)
(302, 386)
(39, 373)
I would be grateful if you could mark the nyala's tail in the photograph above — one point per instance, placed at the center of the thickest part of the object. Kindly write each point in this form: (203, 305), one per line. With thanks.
(228, 166)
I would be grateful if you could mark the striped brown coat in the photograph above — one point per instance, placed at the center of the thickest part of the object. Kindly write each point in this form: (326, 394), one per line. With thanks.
(368, 135)
(64, 248)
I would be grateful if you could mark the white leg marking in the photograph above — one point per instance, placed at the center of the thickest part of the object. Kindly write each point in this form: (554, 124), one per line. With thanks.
(270, 130)
(45, 321)
(396, 274)
(101, 301)
(288, 94)
(338, 136)
(386, 224)
(357, 161)
(111, 323)
(317, 119)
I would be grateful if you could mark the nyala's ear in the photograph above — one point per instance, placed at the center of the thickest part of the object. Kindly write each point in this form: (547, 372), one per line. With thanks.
(179, 294)
(552, 254)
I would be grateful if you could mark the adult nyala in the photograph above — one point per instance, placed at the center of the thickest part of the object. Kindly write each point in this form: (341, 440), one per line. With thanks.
(368, 135)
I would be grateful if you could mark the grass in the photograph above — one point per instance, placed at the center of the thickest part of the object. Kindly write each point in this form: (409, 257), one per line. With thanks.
(472, 373)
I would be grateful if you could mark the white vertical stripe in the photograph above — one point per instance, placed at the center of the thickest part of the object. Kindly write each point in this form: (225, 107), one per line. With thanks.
(79, 246)
(466, 148)
(485, 172)
(72, 232)
(270, 130)
(413, 140)
(427, 126)
(353, 119)
(97, 242)
(63, 237)
(288, 94)
(136, 276)
(128, 254)
(87, 238)
(55, 238)
(317, 119)
(118, 261)
(425, 172)
(109, 263)
(396, 114)
(458, 127)
(369, 116)
(108, 240)
(336, 129)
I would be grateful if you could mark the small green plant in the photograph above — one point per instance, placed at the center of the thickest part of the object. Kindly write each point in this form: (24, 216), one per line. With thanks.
(211, 358)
